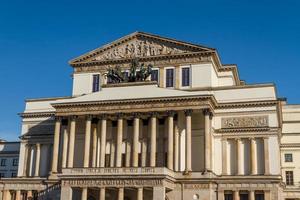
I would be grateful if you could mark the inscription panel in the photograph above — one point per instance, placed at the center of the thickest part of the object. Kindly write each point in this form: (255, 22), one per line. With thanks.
(113, 183)
(245, 122)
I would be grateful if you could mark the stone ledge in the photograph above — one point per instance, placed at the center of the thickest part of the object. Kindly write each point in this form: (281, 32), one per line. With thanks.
(126, 84)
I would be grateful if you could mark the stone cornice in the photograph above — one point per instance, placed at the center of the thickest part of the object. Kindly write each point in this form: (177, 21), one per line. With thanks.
(135, 105)
(37, 114)
(233, 130)
(297, 145)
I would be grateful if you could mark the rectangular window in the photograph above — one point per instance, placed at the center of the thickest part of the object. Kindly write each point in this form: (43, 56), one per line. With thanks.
(244, 196)
(185, 76)
(96, 84)
(170, 78)
(2, 175)
(228, 195)
(15, 162)
(289, 176)
(154, 75)
(3, 162)
(288, 157)
(259, 196)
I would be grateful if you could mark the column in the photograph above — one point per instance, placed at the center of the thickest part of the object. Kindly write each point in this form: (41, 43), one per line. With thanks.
(119, 141)
(207, 136)
(252, 195)
(94, 149)
(170, 162)
(159, 193)
(121, 194)
(236, 195)
(98, 142)
(25, 160)
(266, 155)
(1, 195)
(66, 192)
(37, 160)
(6, 195)
(65, 147)
(267, 194)
(144, 151)
(72, 142)
(239, 156)
(139, 193)
(224, 156)
(56, 145)
(84, 194)
(188, 145)
(221, 195)
(103, 141)
(253, 156)
(153, 140)
(176, 146)
(29, 194)
(128, 145)
(136, 129)
(87, 142)
(102, 194)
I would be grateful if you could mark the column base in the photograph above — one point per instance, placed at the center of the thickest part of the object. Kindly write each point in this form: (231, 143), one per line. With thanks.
(53, 176)
(187, 172)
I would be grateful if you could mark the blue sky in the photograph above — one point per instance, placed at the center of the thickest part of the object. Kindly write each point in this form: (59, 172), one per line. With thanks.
(38, 38)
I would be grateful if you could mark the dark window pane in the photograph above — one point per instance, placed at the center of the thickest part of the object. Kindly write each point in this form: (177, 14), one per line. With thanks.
(228, 196)
(259, 196)
(288, 157)
(186, 76)
(289, 175)
(154, 75)
(170, 78)
(96, 79)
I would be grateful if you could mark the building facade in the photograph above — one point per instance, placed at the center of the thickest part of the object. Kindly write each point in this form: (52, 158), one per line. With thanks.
(9, 159)
(153, 118)
(290, 151)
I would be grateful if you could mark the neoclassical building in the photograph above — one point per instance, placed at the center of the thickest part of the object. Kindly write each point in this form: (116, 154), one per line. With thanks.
(186, 128)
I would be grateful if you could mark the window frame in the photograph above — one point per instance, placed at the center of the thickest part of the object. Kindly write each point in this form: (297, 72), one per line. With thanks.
(166, 77)
(3, 162)
(155, 69)
(182, 68)
(96, 84)
(289, 178)
(286, 158)
(15, 162)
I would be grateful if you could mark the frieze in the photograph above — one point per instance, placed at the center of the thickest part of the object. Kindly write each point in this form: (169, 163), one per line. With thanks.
(245, 122)
(196, 186)
(113, 183)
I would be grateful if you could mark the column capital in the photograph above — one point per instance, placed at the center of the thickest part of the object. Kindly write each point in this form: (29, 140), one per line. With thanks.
(120, 115)
(73, 117)
(171, 113)
(208, 112)
(188, 112)
(154, 114)
(136, 115)
(38, 145)
(102, 116)
(88, 117)
(58, 118)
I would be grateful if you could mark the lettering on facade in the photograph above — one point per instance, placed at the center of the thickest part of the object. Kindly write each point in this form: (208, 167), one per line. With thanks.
(110, 171)
(196, 186)
(245, 122)
(97, 183)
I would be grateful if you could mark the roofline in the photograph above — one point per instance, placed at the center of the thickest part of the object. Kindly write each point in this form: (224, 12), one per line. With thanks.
(46, 98)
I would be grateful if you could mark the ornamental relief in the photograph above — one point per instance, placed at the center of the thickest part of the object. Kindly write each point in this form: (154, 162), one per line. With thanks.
(245, 122)
(141, 48)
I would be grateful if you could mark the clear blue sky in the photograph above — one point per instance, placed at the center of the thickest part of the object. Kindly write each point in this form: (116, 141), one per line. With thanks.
(38, 38)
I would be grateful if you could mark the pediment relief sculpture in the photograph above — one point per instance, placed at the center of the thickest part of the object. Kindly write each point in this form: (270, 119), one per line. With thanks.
(141, 48)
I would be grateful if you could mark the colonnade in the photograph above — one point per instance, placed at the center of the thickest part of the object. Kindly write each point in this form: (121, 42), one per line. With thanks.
(100, 132)
(253, 155)
(18, 195)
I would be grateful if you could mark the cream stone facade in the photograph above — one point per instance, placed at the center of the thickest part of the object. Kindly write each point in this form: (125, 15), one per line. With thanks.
(195, 132)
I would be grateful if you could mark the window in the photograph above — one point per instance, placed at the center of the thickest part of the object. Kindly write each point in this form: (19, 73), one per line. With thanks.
(259, 196)
(288, 157)
(125, 75)
(289, 176)
(2, 175)
(3, 162)
(244, 196)
(228, 195)
(96, 79)
(170, 78)
(15, 162)
(154, 75)
(13, 174)
(185, 75)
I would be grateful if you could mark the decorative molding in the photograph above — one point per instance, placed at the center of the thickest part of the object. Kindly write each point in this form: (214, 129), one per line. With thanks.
(245, 122)
(37, 114)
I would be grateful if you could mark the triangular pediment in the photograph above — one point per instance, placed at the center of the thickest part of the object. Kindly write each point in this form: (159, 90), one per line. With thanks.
(138, 45)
